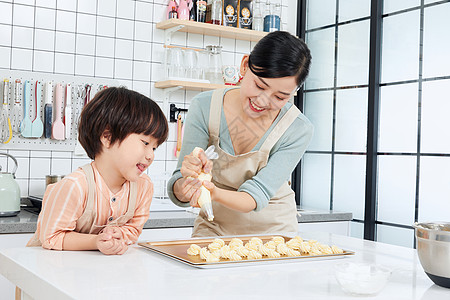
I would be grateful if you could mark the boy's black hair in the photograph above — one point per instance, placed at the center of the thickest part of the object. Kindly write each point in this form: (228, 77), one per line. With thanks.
(122, 112)
(280, 54)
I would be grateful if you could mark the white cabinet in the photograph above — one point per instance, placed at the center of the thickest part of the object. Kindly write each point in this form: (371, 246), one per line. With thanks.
(338, 227)
(11, 241)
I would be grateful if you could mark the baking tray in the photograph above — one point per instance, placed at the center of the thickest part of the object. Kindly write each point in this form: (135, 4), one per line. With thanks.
(176, 249)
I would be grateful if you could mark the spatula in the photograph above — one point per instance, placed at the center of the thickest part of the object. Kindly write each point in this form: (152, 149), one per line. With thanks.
(58, 125)
(48, 110)
(68, 111)
(37, 127)
(25, 125)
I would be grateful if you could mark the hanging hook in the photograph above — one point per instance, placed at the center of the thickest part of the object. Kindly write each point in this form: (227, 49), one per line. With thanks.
(173, 110)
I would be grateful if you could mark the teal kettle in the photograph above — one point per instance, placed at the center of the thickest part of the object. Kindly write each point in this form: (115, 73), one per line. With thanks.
(9, 191)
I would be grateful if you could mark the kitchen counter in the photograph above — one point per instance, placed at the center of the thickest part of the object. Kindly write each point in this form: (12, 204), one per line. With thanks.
(25, 222)
(142, 274)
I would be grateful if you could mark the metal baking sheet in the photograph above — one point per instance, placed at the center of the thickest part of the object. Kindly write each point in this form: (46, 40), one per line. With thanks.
(177, 250)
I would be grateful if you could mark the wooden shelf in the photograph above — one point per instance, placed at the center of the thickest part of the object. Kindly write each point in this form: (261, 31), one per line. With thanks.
(189, 85)
(213, 30)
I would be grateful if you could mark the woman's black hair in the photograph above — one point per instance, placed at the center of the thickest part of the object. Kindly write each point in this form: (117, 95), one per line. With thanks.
(122, 112)
(280, 54)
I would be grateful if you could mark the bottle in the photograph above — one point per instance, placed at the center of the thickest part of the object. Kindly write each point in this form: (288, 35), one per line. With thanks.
(183, 10)
(258, 22)
(271, 20)
(201, 11)
(216, 12)
(170, 7)
(277, 13)
(193, 10)
(173, 14)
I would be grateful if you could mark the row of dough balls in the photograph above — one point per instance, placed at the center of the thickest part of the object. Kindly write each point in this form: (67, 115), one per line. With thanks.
(255, 248)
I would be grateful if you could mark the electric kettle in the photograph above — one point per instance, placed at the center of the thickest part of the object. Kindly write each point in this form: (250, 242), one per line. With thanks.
(9, 191)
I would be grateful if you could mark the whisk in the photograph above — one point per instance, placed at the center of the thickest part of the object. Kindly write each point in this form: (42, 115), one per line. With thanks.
(5, 123)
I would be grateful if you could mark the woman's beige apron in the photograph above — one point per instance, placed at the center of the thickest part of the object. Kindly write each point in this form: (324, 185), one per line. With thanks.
(86, 223)
(231, 171)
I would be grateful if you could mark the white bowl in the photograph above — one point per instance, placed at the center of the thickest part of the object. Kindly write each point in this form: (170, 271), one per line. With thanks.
(361, 278)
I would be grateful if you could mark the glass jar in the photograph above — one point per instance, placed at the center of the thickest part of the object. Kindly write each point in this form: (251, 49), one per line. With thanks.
(214, 72)
(258, 21)
(272, 21)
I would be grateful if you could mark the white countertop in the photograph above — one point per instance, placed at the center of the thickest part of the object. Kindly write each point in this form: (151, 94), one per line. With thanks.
(142, 274)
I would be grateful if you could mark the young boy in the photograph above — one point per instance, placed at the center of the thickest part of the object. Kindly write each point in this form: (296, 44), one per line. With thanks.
(104, 205)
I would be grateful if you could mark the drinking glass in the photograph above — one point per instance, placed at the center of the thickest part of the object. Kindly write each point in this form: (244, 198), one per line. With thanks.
(176, 66)
(202, 66)
(190, 60)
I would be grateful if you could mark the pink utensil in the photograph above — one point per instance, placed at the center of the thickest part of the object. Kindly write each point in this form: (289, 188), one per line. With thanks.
(58, 125)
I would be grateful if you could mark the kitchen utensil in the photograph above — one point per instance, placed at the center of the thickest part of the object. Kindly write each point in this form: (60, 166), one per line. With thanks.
(81, 94)
(17, 112)
(177, 250)
(58, 125)
(3, 120)
(25, 125)
(6, 131)
(9, 191)
(87, 95)
(179, 136)
(68, 111)
(48, 110)
(37, 127)
(361, 278)
(205, 196)
(433, 248)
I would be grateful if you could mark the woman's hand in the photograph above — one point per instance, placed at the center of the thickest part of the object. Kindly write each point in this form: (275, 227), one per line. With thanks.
(110, 241)
(188, 190)
(192, 165)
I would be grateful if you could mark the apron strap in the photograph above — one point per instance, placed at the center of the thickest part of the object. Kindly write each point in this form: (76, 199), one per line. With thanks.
(131, 201)
(215, 112)
(280, 129)
(87, 219)
(91, 186)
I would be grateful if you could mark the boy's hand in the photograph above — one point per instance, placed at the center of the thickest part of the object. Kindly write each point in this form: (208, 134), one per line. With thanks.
(110, 241)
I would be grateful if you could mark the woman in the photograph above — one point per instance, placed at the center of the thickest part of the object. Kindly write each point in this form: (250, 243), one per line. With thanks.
(260, 137)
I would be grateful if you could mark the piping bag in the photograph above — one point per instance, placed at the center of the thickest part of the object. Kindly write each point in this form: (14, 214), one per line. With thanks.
(205, 196)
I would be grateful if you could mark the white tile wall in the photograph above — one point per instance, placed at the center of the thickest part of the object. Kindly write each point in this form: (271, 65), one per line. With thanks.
(114, 39)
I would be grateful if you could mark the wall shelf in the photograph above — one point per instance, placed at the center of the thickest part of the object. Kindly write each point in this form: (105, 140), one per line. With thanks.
(189, 85)
(213, 30)
(173, 25)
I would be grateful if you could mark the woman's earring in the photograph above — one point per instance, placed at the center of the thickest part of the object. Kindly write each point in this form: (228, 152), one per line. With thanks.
(240, 78)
